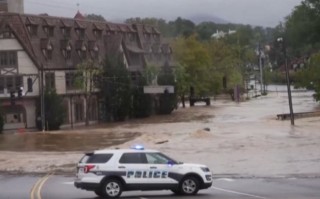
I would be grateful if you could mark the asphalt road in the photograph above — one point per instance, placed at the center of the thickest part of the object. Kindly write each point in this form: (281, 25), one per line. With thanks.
(61, 187)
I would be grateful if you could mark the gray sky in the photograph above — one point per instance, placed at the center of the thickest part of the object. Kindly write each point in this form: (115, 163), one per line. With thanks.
(255, 12)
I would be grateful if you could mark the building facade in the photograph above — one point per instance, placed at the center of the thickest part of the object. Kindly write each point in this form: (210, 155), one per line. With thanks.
(44, 51)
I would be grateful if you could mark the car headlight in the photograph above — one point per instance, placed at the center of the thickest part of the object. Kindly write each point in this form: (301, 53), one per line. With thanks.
(205, 169)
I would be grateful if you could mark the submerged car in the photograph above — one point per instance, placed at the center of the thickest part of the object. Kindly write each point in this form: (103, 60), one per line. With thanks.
(110, 172)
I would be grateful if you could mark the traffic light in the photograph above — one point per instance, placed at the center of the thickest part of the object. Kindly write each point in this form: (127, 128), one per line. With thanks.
(30, 83)
(12, 98)
(20, 92)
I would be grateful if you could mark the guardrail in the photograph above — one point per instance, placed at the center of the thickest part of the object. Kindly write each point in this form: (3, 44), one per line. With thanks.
(286, 116)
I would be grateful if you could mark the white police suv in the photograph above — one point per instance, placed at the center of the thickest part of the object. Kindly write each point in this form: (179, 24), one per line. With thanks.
(109, 172)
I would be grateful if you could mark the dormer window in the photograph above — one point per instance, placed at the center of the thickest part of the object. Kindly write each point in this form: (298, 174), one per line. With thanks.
(6, 33)
(48, 51)
(130, 37)
(97, 33)
(66, 31)
(49, 30)
(33, 29)
(95, 52)
(81, 48)
(66, 49)
(47, 48)
(80, 32)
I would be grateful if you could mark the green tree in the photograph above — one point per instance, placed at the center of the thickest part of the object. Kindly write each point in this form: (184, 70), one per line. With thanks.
(310, 76)
(302, 28)
(95, 17)
(115, 84)
(86, 80)
(54, 110)
(182, 85)
(224, 63)
(194, 58)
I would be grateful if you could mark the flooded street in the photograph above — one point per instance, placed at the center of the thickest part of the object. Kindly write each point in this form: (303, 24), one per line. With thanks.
(240, 139)
(67, 141)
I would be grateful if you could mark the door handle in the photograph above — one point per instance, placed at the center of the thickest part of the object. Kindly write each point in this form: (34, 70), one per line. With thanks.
(121, 167)
(153, 167)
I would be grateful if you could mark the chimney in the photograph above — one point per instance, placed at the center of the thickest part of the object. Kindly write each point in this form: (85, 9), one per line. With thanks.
(13, 6)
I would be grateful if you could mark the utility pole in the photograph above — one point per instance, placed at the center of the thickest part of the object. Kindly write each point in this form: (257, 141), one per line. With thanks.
(261, 72)
(281, 41)
(43, 125)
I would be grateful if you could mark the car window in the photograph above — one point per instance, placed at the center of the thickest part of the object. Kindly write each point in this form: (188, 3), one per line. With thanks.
(96, 158)
(133, 158)
(159, 158)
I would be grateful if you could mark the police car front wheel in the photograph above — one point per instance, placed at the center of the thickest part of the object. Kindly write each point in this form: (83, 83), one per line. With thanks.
(112, 188)
(189, 186)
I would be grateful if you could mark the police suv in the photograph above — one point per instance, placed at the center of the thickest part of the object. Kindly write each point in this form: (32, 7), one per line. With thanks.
(109, 172)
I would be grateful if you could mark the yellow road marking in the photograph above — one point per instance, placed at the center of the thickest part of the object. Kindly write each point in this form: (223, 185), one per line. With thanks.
(36, 189)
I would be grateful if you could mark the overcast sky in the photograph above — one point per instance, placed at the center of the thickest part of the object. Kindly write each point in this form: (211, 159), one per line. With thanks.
(254, 12)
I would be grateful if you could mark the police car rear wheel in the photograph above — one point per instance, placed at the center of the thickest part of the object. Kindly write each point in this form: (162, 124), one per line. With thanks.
(189, 186)
(112, 188)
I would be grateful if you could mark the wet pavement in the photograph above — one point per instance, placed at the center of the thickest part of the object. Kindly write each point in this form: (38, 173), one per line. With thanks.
(223, 188)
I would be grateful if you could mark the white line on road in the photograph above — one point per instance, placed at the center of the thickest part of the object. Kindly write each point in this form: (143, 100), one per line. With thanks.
(226, 179)
(68, 183)
(236, 192)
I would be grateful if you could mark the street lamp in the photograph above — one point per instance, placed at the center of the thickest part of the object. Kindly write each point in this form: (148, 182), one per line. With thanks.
(281, 41)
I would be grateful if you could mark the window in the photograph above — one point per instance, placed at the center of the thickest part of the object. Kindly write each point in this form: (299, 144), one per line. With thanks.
(49, 30)
(1, 85)
(18, 82)
(78, 110)
(133, 158)
(50, 80)
(70, 81)
(158, 158)
(47, 53)
(8, 59)
(96, 158)
(66, 31)
(33, 30)
(6, 34)
(80, 32)
(97, 33)
(11, 83)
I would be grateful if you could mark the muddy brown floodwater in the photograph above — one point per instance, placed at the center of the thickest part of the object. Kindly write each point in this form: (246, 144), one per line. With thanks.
(82, 141)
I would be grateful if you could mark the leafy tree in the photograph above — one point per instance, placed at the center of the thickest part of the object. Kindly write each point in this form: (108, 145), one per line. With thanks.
(95, 17)
(54, 110)
(303, 28)
(205, 30)
(225, 63)
(310, 76)
(194, 58)
(182, 27)
(182, 85)
(1, 121)
(115, 85)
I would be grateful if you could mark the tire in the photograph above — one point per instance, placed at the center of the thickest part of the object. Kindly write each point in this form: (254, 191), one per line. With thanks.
(189, 186)
(111, 188)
